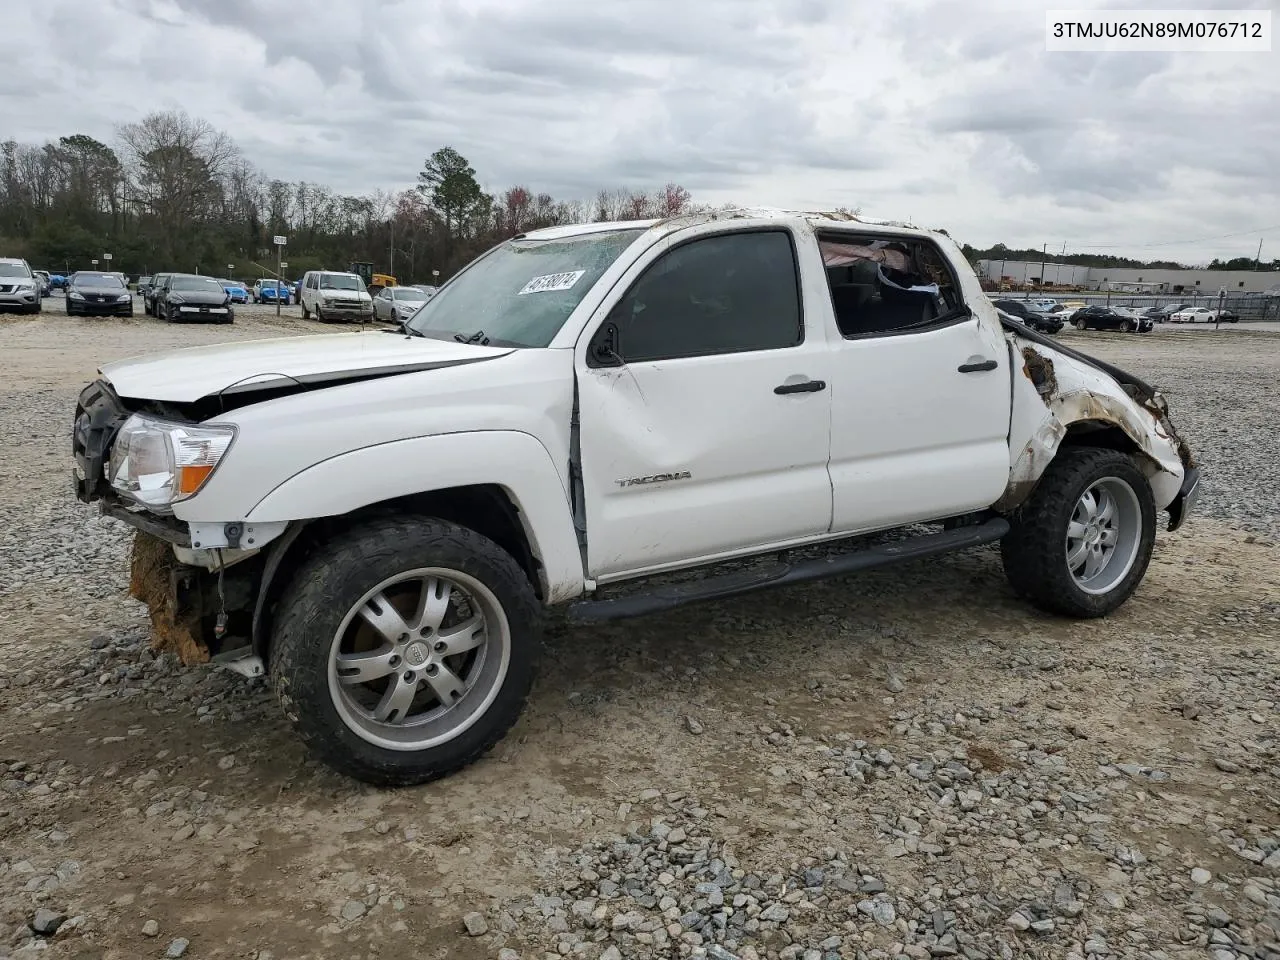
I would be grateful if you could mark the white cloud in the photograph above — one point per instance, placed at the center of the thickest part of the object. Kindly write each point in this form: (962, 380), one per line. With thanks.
(948, 113)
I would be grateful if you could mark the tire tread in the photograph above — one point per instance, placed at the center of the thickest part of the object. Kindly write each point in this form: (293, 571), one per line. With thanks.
(302, 689)
(1032, 551)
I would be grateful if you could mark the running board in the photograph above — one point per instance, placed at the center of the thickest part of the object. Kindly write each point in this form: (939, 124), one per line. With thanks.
(669, 596)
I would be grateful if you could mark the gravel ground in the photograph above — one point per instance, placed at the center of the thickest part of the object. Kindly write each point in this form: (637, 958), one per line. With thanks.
(909, 763)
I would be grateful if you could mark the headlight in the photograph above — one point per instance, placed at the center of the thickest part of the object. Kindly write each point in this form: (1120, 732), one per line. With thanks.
(75, 296)
(26, 285)
(123, 298)
(159, 462)
(174, 298)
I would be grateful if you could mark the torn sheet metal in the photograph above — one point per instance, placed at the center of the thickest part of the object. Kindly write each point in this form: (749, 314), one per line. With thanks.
(1056, 391)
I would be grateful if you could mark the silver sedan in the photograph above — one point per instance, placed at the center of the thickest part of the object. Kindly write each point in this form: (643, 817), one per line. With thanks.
(397, 304)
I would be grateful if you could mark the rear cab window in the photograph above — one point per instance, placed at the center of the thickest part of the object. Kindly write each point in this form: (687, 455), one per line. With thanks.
(884, 285)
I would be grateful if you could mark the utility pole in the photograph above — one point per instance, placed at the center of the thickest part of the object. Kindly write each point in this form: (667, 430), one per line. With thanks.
(1258, 258)
(392, 268)
(1043, 253)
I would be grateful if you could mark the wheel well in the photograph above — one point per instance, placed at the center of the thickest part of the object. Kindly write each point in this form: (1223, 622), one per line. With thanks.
(485, 508)
(1099, 433)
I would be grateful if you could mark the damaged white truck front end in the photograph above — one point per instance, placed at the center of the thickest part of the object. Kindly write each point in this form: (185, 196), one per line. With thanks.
(1063, 396)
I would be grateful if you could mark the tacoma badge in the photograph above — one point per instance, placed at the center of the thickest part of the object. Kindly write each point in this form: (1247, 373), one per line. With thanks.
(656, 478)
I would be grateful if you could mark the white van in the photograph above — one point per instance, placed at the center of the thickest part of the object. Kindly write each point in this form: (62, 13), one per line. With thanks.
(331, 295)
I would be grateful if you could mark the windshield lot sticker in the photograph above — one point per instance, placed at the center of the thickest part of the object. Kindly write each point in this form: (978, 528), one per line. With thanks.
(552, 281)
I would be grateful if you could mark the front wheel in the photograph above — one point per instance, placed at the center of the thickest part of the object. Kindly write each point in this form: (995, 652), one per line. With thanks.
(1081, 325)
(404, 650)
(1126, 326)
(1081, 544)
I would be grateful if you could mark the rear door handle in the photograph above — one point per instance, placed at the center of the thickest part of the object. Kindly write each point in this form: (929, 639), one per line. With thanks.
(973, 365)
(808, 386)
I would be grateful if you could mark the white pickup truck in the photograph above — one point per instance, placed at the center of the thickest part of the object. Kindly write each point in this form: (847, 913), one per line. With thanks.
(377, 520)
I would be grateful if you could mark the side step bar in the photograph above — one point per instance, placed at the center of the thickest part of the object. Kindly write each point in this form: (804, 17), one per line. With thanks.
(669, 596)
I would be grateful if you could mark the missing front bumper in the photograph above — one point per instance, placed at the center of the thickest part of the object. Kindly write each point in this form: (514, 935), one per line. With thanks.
(186, 602)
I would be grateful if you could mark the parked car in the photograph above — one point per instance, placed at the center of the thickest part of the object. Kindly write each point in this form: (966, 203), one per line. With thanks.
(140, 288)
(1203, 315)
(46, 287)
(556, 424)
(235, 290)
(153, 292)
(189, 296)
(1099, 317)
(297, 290)
(397, 304)
(57, 281)
(1045, 303)
(1194, 315)
(20, 289)
(93, 293)
(1040, 320)
(1162, 314)
(426, 288)
(268, 291)
(332, 295)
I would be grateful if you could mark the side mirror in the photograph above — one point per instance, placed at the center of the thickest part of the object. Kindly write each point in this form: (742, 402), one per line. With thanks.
(604, 348)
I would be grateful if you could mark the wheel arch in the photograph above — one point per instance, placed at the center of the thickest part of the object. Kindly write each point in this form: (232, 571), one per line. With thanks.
(501, 484)
(487, 509)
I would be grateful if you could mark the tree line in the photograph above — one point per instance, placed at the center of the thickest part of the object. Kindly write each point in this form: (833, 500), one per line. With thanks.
(175, 193)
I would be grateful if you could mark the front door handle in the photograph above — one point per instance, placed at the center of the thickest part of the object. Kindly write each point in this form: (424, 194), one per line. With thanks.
(974, 365)
(808, 386)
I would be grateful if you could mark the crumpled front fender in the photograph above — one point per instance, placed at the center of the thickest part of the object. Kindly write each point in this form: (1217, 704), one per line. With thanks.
(1058, 394)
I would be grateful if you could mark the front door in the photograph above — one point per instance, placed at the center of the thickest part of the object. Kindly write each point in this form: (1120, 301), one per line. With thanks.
(704, 408)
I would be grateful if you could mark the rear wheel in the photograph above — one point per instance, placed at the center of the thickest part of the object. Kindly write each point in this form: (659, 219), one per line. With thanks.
(404, 650)
(1081, 325)
(1081, 543)
(306, 314)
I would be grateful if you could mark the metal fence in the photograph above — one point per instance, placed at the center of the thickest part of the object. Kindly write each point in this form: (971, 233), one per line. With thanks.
(1247, 306)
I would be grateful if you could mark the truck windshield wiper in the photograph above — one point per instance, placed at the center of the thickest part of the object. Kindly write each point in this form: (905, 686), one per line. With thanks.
(477, 337)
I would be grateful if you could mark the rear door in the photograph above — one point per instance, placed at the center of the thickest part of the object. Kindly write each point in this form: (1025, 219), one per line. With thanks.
(704, 406)
(920, 395)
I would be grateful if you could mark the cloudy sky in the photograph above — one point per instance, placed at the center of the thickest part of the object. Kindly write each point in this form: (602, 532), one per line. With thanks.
(951, 114)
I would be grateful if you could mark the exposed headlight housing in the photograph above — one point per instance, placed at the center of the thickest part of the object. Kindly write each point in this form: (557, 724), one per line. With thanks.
(159, 462)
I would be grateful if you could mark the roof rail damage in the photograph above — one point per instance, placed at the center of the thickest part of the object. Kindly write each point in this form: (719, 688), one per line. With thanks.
(1083, 395)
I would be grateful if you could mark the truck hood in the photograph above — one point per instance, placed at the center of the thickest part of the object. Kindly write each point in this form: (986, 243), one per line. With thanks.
(257, 366)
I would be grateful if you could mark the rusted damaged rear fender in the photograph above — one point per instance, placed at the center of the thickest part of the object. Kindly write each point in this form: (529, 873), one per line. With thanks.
(1058, 394)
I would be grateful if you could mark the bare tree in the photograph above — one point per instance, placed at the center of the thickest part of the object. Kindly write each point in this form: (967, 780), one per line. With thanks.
(177, 164)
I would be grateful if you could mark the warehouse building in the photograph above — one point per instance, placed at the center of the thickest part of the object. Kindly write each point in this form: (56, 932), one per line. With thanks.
(1129, 280)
